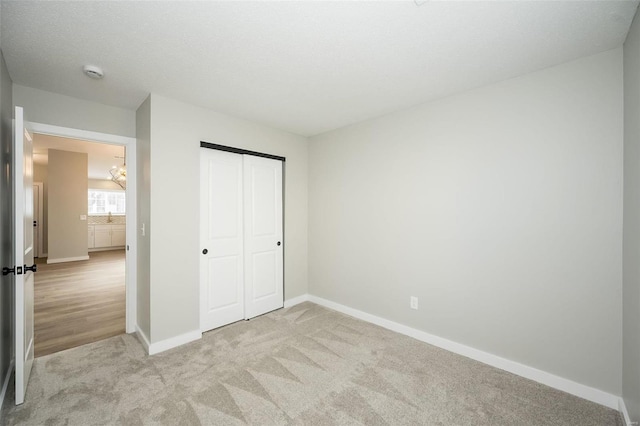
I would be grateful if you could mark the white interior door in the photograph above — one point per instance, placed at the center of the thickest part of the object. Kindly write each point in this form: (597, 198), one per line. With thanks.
(263, 250)
(23, 237)
(221, 242)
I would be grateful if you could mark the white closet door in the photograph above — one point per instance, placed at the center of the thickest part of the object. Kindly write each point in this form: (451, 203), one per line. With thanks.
(263, 250)
(221, 222)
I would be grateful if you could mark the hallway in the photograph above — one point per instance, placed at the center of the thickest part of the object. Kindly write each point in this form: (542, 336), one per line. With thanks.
(79, 302)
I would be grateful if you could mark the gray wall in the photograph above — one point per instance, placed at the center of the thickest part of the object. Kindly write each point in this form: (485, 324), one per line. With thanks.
(631, 246)
(40, 174)
(6, 226)
(499, 208)
(59, 110)
(176, 131)
(143, 174)
(67, 194)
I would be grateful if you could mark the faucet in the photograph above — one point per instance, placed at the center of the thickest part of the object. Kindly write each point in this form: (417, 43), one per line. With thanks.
(109, 218)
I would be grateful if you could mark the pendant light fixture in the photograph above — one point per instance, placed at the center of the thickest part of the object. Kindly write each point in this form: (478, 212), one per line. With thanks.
(119, 173)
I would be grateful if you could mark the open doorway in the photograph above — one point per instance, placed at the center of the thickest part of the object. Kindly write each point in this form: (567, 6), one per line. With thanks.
(80, 227)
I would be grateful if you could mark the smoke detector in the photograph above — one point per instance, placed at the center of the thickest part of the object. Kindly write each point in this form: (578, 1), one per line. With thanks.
(93, 71)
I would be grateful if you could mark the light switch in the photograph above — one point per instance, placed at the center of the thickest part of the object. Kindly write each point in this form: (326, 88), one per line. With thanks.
(83, 217)
(143, 230)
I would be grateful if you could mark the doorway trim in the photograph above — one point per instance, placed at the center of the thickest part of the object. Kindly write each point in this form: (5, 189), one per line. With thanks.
(131, 200)
(38, 217)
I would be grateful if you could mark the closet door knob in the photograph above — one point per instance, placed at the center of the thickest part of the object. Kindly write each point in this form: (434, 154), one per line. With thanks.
(279, 243)
(205, 251)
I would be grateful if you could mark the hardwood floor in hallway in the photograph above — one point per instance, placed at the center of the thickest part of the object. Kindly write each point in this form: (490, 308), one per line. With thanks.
(79, 302)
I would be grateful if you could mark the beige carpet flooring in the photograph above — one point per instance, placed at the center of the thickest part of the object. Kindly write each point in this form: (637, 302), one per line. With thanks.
(305, 365)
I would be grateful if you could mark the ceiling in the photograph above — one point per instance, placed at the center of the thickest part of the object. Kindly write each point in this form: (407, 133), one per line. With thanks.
(305, 67)
(101, 157)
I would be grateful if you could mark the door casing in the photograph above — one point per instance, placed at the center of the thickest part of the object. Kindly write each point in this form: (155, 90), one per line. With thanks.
(38, 215)
(132, 218)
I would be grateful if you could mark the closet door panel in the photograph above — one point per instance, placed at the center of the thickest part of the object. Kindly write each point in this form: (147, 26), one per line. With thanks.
(263, 235)
(265, 282)
(223, 271)
(221, 239)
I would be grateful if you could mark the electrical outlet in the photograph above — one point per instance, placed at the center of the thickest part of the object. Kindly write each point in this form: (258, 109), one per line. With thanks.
(414, 302)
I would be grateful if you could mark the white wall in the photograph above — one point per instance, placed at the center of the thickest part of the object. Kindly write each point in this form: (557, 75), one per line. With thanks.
(631, 247)
(104, 184)
(176, 131)
(499, 208)
(143, 204)
(59, 110)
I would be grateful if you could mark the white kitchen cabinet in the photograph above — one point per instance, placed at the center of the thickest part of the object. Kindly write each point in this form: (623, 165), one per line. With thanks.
(109, 236)
(118, 235)
(102, 236)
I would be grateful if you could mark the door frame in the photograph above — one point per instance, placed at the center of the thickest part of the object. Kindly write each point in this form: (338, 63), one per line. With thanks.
(38, 216)
(131, 200)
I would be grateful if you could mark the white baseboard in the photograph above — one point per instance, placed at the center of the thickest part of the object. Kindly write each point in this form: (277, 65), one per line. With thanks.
(67, 259)
(92, 250)
(565, 385)
(5, 384)
(130, 326)
(143, 338)
(165, 345)
(625, 414)
(296, 300)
